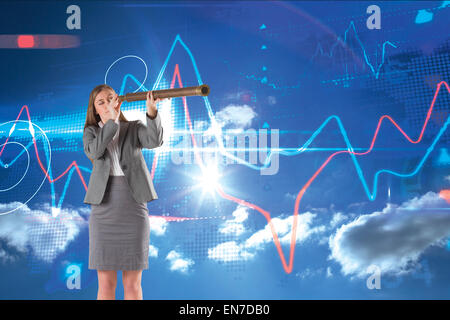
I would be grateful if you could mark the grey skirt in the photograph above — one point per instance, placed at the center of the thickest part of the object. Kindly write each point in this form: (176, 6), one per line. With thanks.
(119, 230)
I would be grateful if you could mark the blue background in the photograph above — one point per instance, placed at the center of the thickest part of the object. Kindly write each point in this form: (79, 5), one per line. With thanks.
(286, 66)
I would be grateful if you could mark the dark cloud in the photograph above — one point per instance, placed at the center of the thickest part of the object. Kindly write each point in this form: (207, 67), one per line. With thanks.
(392, 239)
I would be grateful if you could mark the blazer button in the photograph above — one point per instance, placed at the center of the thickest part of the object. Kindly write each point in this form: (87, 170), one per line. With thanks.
(124, 167)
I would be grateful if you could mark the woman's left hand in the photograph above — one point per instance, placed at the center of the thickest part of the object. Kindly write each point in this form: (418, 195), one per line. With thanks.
(151, 104)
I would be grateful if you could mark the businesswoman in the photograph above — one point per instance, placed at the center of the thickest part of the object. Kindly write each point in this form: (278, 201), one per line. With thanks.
(119, 188)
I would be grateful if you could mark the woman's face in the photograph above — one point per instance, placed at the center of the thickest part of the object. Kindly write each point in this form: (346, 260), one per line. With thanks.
(102, 100)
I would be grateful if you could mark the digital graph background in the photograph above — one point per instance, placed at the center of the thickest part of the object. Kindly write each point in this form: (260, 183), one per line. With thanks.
(310, 75)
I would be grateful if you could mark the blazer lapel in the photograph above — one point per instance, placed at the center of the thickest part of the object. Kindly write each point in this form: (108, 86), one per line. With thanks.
(122, 133)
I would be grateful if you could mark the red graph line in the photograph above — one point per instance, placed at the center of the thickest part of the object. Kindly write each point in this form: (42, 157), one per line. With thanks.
(266, 214)
(74, 163)
(37, 153)
(288, 268)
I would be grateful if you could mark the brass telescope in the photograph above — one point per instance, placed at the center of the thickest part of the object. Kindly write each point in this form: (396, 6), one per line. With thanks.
(202, 90)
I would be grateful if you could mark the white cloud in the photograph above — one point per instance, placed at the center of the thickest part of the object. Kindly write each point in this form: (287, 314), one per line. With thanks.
(236, 116)
(337, 219)
(308, 273)
(245, 250)
(329, 272)
(235, 226)
(177, 263)
(392, 239)
(158, 226)
(229, 251)
(290, 196)
(152, 251)
(284, 230)
(47, 236)
(6, 257)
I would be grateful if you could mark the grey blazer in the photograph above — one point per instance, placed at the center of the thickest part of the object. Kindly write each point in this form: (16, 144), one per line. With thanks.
(133, 136)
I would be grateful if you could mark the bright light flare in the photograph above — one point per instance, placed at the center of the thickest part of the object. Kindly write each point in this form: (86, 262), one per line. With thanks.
(209, 180)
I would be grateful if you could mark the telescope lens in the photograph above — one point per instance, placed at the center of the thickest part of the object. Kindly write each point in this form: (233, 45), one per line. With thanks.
(205, 90)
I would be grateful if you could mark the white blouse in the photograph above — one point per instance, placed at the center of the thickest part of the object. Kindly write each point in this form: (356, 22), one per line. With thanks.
(113, 148)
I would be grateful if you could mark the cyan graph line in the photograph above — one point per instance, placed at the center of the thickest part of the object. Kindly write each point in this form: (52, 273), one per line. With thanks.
(281, 151)
(18, 156)
(370, 195)
(375, 71)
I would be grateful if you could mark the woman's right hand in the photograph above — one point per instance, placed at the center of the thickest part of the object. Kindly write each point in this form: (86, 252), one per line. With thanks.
(113, 110)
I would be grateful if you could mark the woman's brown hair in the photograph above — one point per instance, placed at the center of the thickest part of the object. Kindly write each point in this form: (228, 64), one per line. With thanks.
(92, 119)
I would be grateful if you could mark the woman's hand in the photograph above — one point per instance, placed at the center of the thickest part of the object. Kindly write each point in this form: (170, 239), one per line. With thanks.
(151, 104)
(113, 109)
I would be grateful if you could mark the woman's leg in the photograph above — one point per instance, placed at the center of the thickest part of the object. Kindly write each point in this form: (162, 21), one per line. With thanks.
(107, 281)
(132, 284)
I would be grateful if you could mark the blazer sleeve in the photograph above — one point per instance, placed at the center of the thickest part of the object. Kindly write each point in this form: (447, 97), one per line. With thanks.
(95, 143)
(150, 136)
